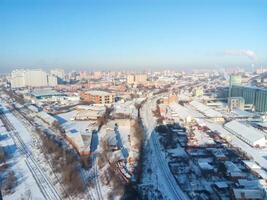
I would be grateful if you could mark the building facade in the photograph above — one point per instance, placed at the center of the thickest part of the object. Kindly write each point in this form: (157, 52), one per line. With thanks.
(31, 78)
(251, 95)
(236, 103)
(98, 97)
(137, 79)
(235, 80)
(60, 73)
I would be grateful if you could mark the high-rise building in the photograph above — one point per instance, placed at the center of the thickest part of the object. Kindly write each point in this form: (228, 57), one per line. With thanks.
(31, 78)
(36, 78)
(140, 78)
(261, 70)
(235, 80)
(137, 79)
(236, 103)
(17, 78)
(130, 79)
(252, 95)
(60, 73)
(52, 80)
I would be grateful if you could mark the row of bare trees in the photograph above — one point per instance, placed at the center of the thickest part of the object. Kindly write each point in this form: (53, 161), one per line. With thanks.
(64, 162)
(8, 179)
(158, 115)
(104, 119)
(109, 176)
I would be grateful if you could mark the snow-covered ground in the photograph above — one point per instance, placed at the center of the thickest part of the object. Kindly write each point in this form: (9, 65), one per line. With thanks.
(27, 186)
(126, 108)
(161, 177)
(66, 121)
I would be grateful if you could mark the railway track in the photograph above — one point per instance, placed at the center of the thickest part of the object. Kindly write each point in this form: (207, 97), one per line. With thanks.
(96, 179)
(20, 113)
(88, 193)
(45, 185)
(174, 188)
(28, 123)
(149, 122)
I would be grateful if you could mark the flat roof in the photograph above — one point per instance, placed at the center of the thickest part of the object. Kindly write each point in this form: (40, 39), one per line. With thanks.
(248, 193)
(241, 113)
(244, 130)
(258, 155)
(98, 92)
(251, 87)
(209, 112)
(182, 111)
(46, 92)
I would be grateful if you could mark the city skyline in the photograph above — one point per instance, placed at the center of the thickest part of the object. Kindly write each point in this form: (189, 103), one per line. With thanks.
(134, 35)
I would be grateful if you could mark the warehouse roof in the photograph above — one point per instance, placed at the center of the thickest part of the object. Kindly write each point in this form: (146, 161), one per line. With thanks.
(182, 112)
(242, 113)
(45, 93)
(205, 109)
(245, 131)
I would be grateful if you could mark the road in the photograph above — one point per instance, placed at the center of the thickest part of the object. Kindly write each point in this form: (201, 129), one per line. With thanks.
(173, 190)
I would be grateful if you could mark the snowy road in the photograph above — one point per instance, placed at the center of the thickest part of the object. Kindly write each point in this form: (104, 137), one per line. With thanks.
(172, 189)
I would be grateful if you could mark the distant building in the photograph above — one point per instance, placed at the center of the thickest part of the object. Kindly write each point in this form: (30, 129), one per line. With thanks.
(31, 78)
(17, 79)
(45, 94)
(222, 92)
(172, 98)
(260, 70)
(137, 79)
(252, 95)
(98, 97)
(140, 78)
(130, 79)
(236, 103)
(97, 75)
(198, 92)
(247, 133)
(52, 80)
(60, 73)
(235, 80)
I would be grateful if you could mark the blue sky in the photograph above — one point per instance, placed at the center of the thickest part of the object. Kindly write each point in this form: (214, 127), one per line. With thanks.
(132, 34)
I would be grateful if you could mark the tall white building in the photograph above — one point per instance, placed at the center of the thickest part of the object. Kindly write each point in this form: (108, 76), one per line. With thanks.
(31, 78)
(36, 78)
(52, 80)
(60, 73)
(17, 78)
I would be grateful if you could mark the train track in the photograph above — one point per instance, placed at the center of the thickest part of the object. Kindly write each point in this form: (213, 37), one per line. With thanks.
(28, 123)
(96, 179)
(173, 188)
(45, 185)
(88, 193)
(26, 120)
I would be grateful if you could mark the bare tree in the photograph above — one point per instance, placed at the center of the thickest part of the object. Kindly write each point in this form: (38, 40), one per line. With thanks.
(10, 182)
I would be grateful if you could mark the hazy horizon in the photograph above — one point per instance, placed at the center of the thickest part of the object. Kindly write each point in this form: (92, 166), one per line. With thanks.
(100, 35)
